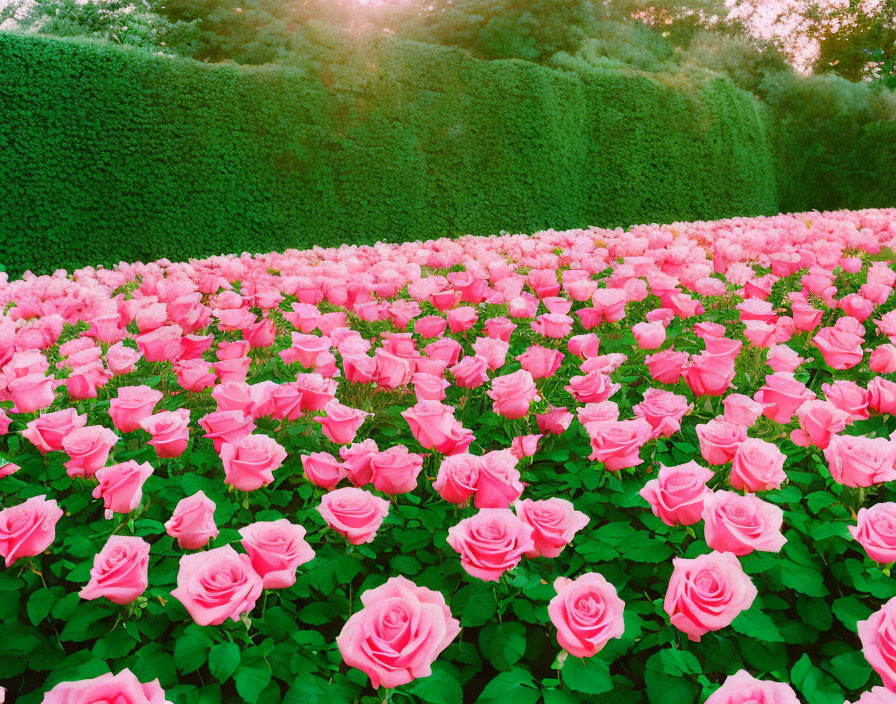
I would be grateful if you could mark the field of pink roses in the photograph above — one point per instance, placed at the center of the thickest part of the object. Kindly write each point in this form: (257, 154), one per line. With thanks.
(646, 465)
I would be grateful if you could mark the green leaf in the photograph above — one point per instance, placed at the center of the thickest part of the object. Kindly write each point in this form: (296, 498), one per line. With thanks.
(666, 688)
(250, 681)
(850, 611)
(514, 685)
(817, 686)
(802, 578)
(851, 668)
(475, 603)
(754, 623)
(587, 675)
(41, 602)
(191, 650)
(223, 659)
(441, 687)
(503, 643)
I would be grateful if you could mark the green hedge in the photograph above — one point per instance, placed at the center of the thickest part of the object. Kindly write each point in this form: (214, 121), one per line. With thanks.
(109, 154)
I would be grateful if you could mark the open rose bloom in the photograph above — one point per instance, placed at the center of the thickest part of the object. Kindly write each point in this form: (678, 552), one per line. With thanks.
(634, 463)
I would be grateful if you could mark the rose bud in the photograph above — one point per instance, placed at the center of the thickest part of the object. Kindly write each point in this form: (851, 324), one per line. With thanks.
(193, 522)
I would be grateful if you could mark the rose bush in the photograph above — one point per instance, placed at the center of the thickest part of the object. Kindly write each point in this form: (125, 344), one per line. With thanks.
(651, 465)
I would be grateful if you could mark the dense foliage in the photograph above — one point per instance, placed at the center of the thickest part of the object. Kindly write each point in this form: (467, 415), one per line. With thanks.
(755, 355)
(156, 157)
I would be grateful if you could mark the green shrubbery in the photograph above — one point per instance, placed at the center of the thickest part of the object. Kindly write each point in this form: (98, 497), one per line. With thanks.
(117, 154)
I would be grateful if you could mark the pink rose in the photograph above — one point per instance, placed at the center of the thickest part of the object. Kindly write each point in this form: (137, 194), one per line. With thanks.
(48, 431)
(512, 394)
(587, 613)
(121, 486)
(848, 396)
(170, 432)
(120, 570)
(226, 427)
(193, 522)
(819, 421)
(618, 443)
(584, 346)
(499, 482)
(666, 366)
(286, 401)
(123, 688)
(356, 460)
(741, 410)
(398, 634)
(260, 334)
(392, 371)
(355, 514)
(194, 375)
(719, 440)
(429, 387)
(491, 542)
(88, 449)
(216, 585)
(742, 524)
(883, 360)
(555, 422)
(501, 328)
(841, 348)
(805, 317)
(709, 374)
(470, 373)
(757, 466)
(856, 461)
(552, 325)
(161, 345)
(742, 687)
(434, 426)
(875, 530)
(27, 529)
(663, 410)
(707, 593)
(276, 549)
(878, 636)
(882, 396)
(323, 470)
(783, 359)
(395, 470)
(524, 446)
(554, 524)
(540, 362)
(122, 360)
(782, 395)
(649, 336)
(463, 318)
(31, 393)
(609, 304)
(234, 396)
(430, 326)
(877, 695)
(594, 387)
(133, 404)
(250, 463)
(458, 478)
(676, 495)
(493, 351)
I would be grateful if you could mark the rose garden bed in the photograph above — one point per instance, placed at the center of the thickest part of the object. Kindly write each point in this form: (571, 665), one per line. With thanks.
(651, 465)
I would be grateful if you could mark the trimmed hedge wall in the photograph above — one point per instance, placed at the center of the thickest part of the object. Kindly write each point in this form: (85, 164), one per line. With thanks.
(109, 154)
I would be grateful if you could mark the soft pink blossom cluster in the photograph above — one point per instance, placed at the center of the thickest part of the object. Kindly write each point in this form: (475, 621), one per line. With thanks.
(448, 313)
